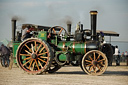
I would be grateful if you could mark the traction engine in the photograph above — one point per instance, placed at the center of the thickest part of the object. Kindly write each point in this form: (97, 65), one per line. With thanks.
(50, 48)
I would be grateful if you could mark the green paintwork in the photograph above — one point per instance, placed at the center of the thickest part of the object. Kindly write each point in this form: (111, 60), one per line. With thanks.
(76, 48)
(15, 47)
(42, 35)
(62, 57)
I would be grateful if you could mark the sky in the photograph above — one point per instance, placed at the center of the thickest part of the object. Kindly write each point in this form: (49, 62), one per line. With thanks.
(112, 14)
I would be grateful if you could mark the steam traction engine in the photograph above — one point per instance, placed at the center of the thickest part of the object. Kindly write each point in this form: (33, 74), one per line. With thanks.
(50, 48)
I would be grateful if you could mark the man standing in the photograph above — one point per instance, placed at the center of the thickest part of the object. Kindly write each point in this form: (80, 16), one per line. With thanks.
(117, 57)
(126, 56)
(5, 53)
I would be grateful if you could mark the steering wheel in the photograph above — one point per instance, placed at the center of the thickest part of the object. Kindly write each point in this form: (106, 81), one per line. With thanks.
(57, 30)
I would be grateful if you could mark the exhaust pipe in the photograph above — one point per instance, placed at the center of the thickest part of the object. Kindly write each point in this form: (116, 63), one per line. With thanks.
(13, 29)
(93, 24)
(69, 29)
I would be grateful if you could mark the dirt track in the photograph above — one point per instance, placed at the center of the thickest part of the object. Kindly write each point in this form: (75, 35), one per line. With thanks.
(115, 75)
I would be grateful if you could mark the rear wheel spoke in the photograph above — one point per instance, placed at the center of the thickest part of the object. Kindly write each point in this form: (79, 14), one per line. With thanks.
(33, 65)
(40, 64)
(37, 64)
(30, 64)
(27, 52)
(42, 53)
(41, 50)
(26, 62)
(26, 58)
(28, 48)
(35, 46)
(43, 57)
(32, 48)
(42, 60)
(38, 48)
(25, 55)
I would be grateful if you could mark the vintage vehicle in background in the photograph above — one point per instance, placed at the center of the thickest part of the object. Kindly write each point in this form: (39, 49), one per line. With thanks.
(50, 48)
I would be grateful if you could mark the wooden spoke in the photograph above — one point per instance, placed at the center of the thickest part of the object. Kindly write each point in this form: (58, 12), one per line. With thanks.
(101, 60)
(35, 45)
(38, 48)
(90, 69)
(27, 62)
(98, 57)
(42, 60)
(99, 68)
(27, 52)
(37, 64)
(94, 56)
(32, 48)
(25, 55)
(44, 57)
(41, 49)
(54, 30)
(101, 64)
(30, 64)
(88, 61)
(40, 64)
(90, 57)
(42, 53)
(28, 48)
(88, 65)
(27, 58)
(33, 65)
(60, 31)
(94, 68)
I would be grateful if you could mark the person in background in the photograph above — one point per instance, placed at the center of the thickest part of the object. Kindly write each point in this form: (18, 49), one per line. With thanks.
(26, 32)
(126, 56)
(122, 57)
(117, 57)
(5, 54)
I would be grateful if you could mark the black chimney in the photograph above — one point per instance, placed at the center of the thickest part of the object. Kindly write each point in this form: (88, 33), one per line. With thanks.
(13, 29)
(81, 27)
(69, 29)
(93, 24)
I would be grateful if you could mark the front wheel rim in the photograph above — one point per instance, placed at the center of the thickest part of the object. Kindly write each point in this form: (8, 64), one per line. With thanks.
(94, 63)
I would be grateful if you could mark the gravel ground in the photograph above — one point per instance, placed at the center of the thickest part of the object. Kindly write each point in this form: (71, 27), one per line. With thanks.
(68, 75)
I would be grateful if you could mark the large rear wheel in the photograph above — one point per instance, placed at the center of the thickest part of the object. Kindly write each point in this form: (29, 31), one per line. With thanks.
(94, 62)
(34, 56)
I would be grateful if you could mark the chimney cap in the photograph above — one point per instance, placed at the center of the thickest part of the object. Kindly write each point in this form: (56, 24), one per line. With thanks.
(13, 19)
(93, 12)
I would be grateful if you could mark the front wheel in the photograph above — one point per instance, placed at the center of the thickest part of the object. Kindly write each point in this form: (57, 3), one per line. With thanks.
(94, 62)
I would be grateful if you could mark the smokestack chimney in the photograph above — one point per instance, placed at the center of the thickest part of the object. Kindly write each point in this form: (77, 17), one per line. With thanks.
(81, 27)
(93, 24)
(69, 29)
(13, 29)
